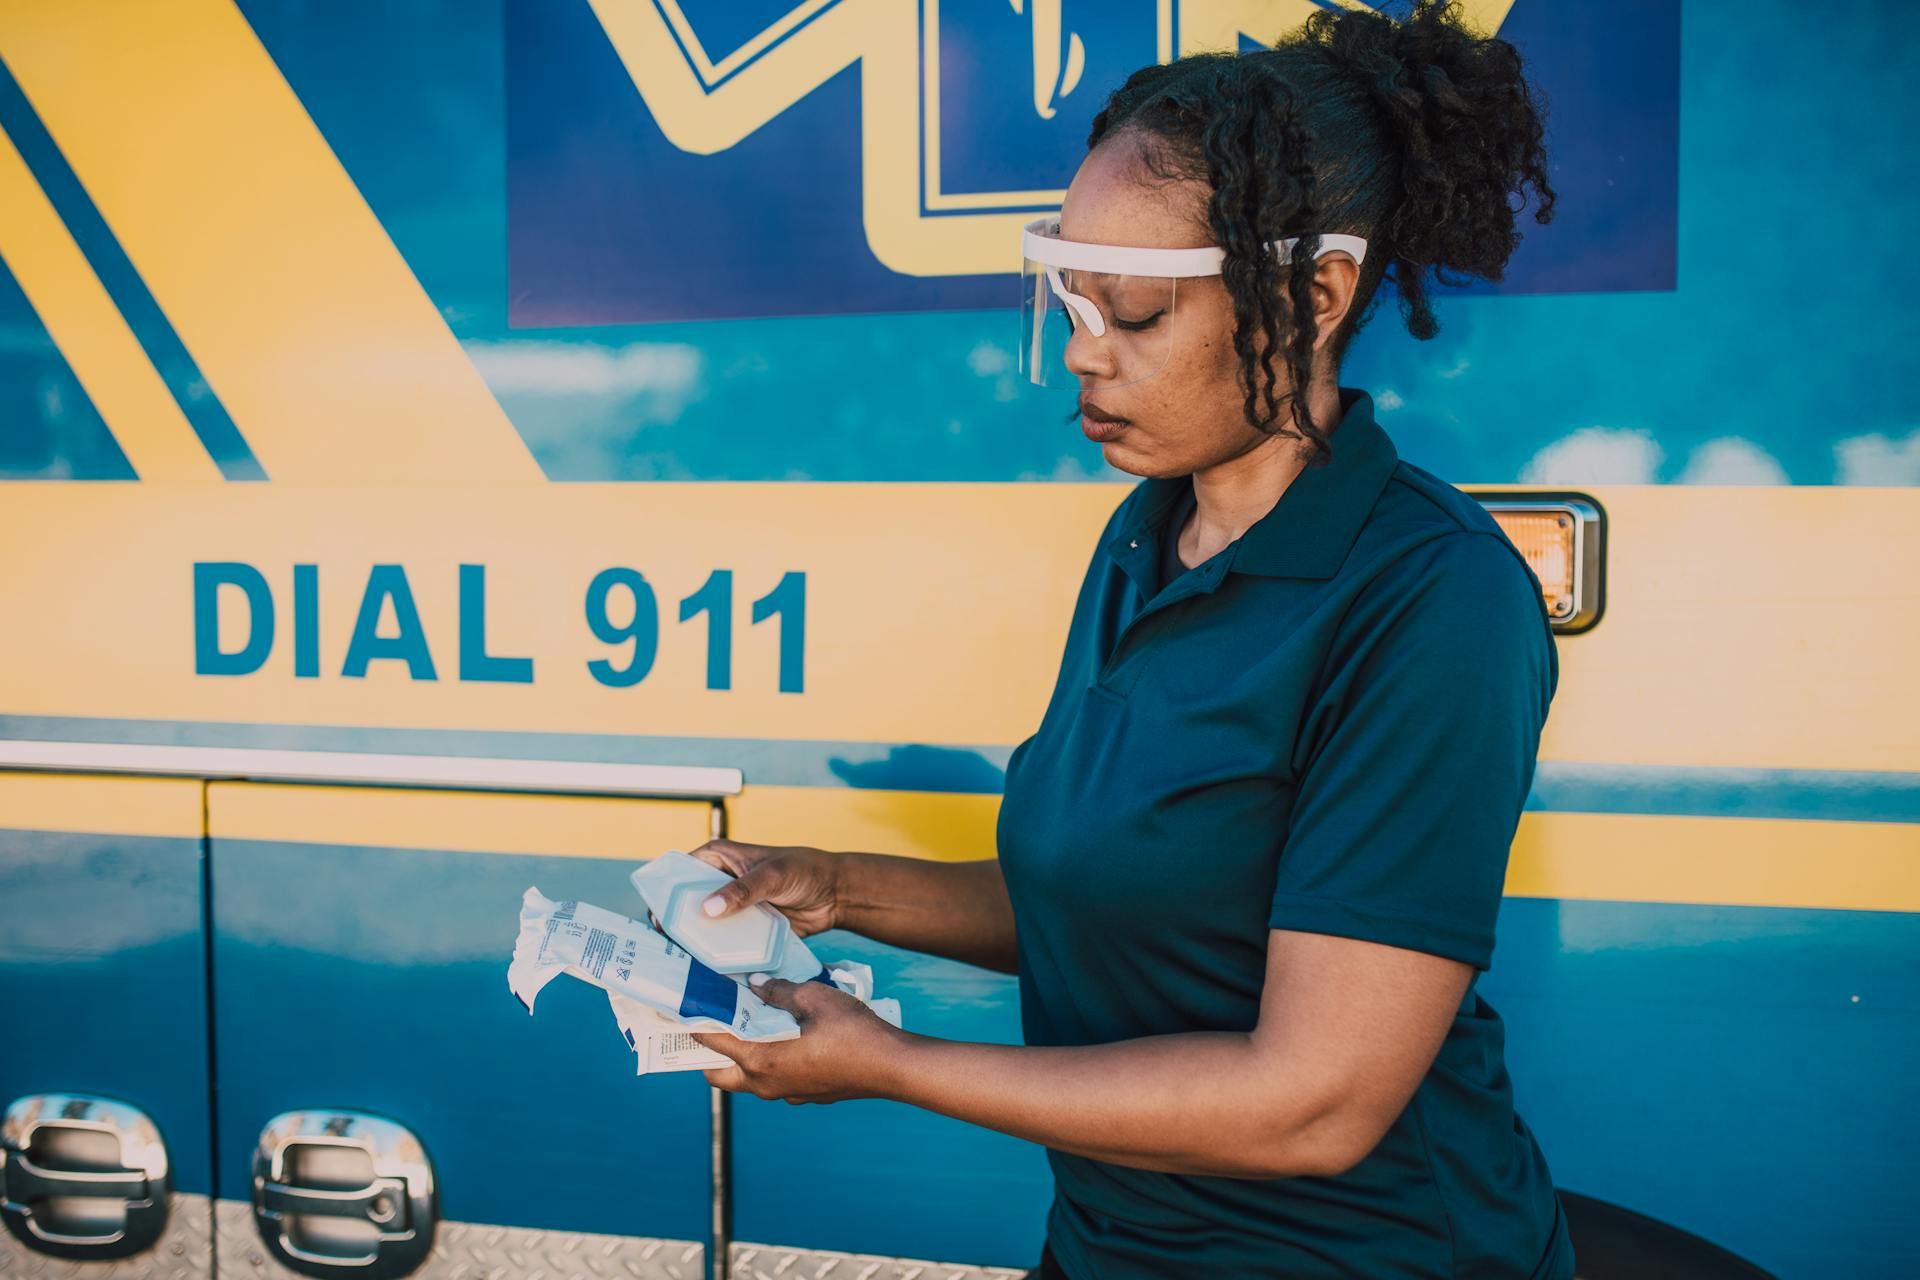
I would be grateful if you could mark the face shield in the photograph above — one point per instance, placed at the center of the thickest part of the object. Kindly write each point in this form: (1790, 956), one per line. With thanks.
(1118, 299)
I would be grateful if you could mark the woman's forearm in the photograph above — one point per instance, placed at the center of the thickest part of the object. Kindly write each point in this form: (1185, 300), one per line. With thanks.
(1195, 1103)
(958, 910)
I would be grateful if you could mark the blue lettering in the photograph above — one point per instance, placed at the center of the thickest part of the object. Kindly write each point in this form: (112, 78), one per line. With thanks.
(388, 582)
(475, 662)
(306, 621)
(208, 658)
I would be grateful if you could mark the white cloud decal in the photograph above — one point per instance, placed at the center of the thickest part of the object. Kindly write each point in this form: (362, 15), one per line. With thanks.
(1877, 459)
(1596, 455)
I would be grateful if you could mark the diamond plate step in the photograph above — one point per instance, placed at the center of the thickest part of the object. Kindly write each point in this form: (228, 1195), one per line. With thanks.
(477, 1251)
(774, 1262)
(184, 1251)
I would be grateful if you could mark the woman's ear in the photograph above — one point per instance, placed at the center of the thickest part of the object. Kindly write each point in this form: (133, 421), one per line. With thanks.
(1335, 278)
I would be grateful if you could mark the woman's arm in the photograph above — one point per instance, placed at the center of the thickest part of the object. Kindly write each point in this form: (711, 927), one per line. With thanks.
(958, 910)
(1346, 1031)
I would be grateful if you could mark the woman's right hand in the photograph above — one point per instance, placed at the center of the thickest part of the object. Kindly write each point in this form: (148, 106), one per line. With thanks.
(802, 882)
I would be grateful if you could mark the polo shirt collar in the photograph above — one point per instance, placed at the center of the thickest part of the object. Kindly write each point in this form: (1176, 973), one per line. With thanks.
(1309, 531)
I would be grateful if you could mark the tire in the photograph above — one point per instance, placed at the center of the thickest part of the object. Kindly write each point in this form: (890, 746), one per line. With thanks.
(1611, 1243)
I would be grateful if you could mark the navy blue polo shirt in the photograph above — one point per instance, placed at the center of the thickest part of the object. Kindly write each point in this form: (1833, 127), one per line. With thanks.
(1328, 726)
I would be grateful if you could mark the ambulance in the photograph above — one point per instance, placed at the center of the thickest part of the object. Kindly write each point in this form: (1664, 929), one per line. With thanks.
(458, 446)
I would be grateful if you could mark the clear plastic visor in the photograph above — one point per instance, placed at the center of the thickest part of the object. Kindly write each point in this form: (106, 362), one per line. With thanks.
(1107, 327)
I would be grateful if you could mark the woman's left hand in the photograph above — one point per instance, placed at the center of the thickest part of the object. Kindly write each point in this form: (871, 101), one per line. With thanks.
(845, 1049)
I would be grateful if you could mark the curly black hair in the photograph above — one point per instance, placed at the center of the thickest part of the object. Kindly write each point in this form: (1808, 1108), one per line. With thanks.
(1412, 133)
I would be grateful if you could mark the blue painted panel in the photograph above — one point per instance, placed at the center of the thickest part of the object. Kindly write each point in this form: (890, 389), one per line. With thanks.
(103, 980)
(610, 222)
(1573, 388)
(376, 980)
(1743, 1073)
(882, 1177)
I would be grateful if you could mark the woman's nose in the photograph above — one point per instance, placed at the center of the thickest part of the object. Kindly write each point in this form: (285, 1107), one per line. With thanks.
(1088, 357)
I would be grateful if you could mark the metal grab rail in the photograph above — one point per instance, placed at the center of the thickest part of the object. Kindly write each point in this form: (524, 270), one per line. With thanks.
(348, 768)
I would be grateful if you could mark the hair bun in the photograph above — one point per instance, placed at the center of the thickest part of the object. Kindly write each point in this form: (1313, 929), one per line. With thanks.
(1469, 131)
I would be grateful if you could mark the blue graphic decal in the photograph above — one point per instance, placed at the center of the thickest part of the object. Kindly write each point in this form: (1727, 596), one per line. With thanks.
(177, 369)
(611, 219)
(1704, 384)
(51, 429)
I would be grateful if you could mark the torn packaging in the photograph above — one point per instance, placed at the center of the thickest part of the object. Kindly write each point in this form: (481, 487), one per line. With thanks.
(658, 992)
(626, 958)
(661, 1043)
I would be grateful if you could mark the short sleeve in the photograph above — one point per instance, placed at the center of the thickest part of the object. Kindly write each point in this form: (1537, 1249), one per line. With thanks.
(1416, 756)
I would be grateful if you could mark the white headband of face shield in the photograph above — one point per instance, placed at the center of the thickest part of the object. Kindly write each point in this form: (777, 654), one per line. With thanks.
(1041, 245)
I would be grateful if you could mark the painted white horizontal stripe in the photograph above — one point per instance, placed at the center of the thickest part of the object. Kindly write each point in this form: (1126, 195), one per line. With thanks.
(465, 773)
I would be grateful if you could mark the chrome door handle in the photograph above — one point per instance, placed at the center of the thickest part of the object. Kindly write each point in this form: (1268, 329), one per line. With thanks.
(381, 1202)
(339, 1191)
(82, 1177)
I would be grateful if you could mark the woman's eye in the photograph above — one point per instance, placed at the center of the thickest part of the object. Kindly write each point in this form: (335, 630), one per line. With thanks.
(1134, 326)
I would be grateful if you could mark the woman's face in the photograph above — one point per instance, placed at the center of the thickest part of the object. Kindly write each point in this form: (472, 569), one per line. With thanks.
(1190, 415)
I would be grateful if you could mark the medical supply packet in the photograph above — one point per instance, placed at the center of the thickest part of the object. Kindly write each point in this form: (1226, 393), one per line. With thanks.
(658, 992)
(627, 958)
(757, 938)
(662, 1043)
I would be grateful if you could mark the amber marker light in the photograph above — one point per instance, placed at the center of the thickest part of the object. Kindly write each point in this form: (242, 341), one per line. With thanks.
(1562, 536)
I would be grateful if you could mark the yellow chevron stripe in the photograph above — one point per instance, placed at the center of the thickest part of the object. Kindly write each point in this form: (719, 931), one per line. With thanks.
(280, 281)
(90, 332)
(104, 806)
(475, 822)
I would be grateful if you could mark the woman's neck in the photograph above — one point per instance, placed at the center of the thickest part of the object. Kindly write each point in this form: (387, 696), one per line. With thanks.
(1230, 496)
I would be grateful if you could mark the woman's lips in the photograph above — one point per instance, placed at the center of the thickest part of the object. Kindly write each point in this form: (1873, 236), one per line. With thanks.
(1099, 424)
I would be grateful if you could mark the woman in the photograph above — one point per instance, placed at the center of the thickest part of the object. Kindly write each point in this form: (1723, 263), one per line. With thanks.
(1250, 862)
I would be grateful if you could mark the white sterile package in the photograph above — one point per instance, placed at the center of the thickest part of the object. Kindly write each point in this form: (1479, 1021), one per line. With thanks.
(662, 1043)
(755, 939)
(658, 991)
(628, 958)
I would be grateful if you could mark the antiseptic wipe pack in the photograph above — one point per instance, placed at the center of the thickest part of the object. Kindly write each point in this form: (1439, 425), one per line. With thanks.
(661, 1043)
(755, 939)
(658, 992)
(627, 958)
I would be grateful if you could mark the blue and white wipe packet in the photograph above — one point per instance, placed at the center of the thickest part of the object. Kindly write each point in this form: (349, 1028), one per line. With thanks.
(658, 991)
(662, 1043)
(628, 958)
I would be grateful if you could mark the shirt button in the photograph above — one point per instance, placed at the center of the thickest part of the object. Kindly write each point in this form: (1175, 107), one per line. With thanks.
(1134, 543)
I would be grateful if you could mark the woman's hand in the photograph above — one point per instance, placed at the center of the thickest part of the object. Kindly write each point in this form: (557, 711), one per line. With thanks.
(802, 882)
(845, 1049)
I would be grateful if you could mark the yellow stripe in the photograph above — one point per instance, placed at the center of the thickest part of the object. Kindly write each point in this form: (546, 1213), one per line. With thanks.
(280, 281)
(920, 824)
(1860, 866)
(1755, 862)
(472, 822)
(90, 332)
(1745, 627)
(105, 806)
